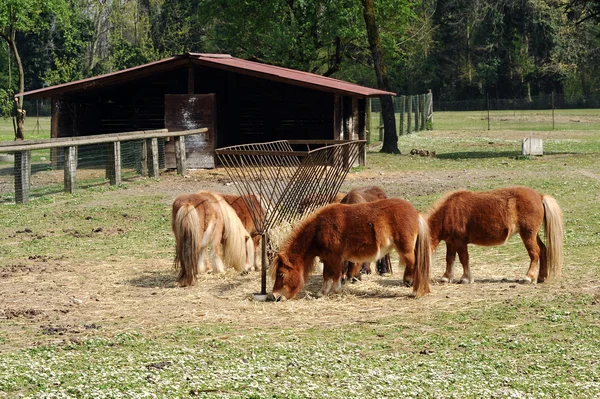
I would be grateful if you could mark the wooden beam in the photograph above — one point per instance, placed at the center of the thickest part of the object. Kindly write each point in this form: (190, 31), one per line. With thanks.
(22, 176)
(153, 148)
(70, 168)
(114, 163)
(337, 117)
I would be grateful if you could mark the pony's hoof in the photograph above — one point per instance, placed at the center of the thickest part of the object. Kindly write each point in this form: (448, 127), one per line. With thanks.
(445, 280)
(526, 280)
(465, 281)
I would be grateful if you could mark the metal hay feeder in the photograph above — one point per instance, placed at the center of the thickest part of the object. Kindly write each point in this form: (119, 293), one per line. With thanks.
(288, 184)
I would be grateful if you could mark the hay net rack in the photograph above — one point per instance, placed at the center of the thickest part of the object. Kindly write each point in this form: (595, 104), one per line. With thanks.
(288, 184)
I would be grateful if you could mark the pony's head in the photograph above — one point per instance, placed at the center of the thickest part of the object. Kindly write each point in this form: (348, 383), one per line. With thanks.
(288, 278)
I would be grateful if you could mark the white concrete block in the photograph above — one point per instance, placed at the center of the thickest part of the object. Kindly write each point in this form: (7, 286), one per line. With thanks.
(533, 146)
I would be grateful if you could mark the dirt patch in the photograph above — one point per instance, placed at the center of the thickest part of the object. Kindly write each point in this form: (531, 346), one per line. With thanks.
(52, 300)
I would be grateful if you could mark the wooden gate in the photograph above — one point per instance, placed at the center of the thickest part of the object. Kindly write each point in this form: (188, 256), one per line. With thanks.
(191, 111)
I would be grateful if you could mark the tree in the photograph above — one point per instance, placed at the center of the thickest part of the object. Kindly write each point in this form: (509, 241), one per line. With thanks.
(24, 16)
(390, 139)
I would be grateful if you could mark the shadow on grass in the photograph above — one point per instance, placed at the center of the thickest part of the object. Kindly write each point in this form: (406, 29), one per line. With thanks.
(155, 280)
(479, 155)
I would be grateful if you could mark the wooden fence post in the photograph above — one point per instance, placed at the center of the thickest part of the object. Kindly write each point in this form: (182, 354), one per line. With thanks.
(144, 158)
(70, 168)
(423, 112)
(22, 176)
(417, 116)
(402, 111)
(409, 101)
(180, 155)
(114, 163)
(153, 157)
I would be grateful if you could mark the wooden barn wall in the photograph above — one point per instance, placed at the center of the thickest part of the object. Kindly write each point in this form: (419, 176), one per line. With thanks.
(128, 106)
(251, 109)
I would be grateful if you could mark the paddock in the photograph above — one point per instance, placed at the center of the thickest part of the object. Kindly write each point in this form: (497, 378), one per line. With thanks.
(97, 269)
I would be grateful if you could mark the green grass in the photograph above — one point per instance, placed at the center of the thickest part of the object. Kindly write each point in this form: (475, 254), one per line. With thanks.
(520, 120)
(532, 349)
(33, 131)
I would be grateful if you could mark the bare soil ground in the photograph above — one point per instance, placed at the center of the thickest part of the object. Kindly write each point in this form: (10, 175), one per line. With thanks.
(51, 300)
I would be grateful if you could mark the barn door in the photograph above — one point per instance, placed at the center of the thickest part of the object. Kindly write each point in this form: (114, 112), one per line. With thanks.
(191, 111)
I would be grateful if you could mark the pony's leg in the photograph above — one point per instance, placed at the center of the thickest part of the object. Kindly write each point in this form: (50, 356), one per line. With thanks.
(202, 261)
(534, 255)
(463, 256)
(332, 277)
(543, 274)
(408, 258)
(450, 258)
(215, 252)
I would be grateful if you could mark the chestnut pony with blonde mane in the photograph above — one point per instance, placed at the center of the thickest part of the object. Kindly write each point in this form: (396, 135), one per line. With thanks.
(360, 195)
(238, 203)
(491, 218)
(205, 219)
(358, 233)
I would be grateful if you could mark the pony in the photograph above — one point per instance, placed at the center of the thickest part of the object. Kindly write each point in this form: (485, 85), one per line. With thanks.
(238, 203)
(205, 219)
(352, 271)
(311, 199)
(490, 218)
(358, 233)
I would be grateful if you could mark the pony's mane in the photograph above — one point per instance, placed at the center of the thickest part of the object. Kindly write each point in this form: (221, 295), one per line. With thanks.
(441, 201)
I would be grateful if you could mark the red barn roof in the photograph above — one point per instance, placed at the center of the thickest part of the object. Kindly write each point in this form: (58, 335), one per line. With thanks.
(220, 61)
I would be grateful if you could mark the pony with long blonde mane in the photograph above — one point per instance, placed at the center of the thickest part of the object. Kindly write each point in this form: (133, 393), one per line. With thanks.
(492, 217)
(358, 233)
(202, 220)
(240, 206)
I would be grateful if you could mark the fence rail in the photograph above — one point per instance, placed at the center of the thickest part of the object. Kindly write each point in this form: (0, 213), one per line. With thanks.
(145, 154)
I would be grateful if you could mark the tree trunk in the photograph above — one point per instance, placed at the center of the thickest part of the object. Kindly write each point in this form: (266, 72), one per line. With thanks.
(390, 139)
(20, 113)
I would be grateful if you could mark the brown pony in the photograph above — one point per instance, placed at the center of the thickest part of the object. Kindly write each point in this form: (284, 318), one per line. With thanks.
(360, 195)
(491, 218)
(205, 219)
(311, 199)
(238, 203)
(358, 233)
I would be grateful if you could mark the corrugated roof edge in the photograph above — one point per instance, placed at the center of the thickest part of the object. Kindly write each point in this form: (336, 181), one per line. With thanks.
(223, 60)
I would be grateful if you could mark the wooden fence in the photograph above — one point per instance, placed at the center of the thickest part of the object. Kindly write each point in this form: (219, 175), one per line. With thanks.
(413, 113)
(149, 165)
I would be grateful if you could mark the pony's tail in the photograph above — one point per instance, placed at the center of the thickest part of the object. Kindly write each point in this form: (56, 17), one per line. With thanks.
(422, 259)
(235, 237)
(554, 232)
(188, 236)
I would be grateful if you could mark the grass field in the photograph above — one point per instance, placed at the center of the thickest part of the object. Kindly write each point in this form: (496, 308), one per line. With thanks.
(89, 307)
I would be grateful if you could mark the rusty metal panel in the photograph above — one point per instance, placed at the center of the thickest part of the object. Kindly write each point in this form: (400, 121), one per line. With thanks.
(191, 111)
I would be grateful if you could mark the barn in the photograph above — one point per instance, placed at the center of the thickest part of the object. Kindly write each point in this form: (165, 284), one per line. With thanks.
(238, 101)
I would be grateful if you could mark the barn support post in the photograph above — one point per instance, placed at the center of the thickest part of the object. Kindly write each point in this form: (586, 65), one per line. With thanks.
(144, 158)
(362, 132)
(114, 163)
(70, 168)
(180, 155)
(368, 120)
(337, 117)
(409, 101)
(153, 157)
(22, 176)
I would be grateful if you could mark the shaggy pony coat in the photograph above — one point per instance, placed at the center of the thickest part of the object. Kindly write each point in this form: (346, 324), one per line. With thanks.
(491, 218)
(358, 233)
(203, 220)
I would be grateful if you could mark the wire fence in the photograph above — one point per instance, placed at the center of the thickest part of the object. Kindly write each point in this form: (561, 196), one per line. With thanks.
(47, 168)
(539, 113)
